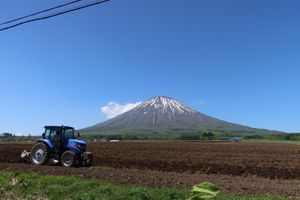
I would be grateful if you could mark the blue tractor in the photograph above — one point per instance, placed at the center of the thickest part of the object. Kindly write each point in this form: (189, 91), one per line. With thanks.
(59, 144)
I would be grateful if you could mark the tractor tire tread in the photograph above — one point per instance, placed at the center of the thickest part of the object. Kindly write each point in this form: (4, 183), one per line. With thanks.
(45, 147)
(74, 158)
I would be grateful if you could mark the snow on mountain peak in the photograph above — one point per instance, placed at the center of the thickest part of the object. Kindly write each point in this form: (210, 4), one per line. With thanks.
(164, 104)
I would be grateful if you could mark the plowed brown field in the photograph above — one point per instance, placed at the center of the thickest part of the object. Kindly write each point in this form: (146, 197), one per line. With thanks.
(238, 167)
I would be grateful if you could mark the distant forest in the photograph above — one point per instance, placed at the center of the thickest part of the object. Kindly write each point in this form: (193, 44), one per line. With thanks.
(182, 136)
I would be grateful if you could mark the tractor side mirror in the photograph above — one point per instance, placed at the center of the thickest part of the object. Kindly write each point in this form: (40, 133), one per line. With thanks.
(78, 134)
(43, 135)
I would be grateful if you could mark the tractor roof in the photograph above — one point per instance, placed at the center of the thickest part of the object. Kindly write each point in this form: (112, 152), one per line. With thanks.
(58, 127)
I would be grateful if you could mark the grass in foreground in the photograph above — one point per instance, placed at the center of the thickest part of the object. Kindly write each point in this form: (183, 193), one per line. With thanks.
(33, 186)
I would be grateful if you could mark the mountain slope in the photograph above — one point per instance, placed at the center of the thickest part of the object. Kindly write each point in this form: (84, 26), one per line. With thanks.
(166, 115)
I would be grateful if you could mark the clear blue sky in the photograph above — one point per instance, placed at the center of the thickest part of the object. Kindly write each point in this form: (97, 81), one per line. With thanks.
(235, 60)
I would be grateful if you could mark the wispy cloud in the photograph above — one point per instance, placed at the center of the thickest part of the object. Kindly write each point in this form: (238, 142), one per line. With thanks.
(113, 109)
(201, 102)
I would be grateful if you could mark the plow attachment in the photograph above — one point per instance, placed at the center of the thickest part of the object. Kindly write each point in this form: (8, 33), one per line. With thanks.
(25, 155)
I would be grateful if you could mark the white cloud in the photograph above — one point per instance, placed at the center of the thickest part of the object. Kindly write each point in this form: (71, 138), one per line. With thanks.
(113, 109)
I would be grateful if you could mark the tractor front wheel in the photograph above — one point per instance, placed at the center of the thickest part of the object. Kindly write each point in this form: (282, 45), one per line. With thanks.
(39, 154)
(68, 159)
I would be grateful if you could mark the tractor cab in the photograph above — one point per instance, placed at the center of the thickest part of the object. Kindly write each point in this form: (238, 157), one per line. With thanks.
(61, 138)
(61, 144)
(61, 132)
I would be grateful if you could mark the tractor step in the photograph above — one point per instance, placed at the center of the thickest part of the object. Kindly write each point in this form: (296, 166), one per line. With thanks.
(54, 161)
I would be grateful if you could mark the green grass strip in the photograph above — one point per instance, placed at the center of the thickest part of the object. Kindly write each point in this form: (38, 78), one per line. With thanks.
(32, 186)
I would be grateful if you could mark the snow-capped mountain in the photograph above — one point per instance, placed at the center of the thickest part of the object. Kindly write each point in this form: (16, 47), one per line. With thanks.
(164, 106)
(166, 115)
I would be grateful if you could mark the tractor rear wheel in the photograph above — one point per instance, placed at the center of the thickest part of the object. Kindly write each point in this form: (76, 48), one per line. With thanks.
(39, 154)
(68, 159)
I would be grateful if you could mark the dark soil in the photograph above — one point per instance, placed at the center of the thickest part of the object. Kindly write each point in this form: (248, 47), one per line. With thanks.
(243, 168)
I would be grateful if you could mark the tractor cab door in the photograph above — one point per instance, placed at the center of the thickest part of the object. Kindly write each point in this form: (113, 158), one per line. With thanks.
(55, 137)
